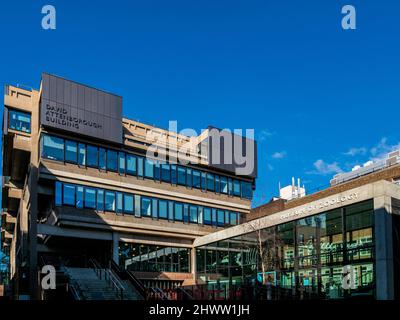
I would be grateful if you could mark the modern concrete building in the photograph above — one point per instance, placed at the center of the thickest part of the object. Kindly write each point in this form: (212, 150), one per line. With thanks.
(83, 186)
(341, 242)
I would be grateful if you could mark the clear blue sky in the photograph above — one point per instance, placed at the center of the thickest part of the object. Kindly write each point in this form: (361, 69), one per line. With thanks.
(321, 99)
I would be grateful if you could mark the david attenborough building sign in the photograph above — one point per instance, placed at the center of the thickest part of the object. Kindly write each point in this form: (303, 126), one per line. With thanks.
(69, 106)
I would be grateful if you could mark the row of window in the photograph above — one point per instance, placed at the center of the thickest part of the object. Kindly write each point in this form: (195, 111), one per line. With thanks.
(59, 149)
(20, 121)
(140, 206)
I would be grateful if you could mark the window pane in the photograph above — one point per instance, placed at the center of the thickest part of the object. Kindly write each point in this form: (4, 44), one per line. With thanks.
(182, 176)
(102, 159)
(92, 156)
(121, 162)
(196, 179)
(148, 169)
(140, 169)
(128, 203)
(162, 209)
(53, 148)
(137, 205)
(247, 191)
(119, 202)
(233, 218)
(186, 213)
(210, 182)
(154, 209)
(173, 174)
(69, 194)
(100, 200)
(236, 188)
(171, 210)
(207, 216)
(200, 215)
(157, 171)
(130, 164)
(193, 214)
(146, 207)
(58, 196)
(189, 177)
(224, 185)
(203, 181)
(20, 121)
(217, 185)
(112, 160)
(230, 186)
(71, 151)
(214, 217)
(178, 211)
(110, 201)
(79, 197)
(165, 172)
(82, 155)
(220, 218)
(90, 198)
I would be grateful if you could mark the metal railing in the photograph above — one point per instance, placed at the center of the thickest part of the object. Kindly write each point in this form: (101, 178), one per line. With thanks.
(109, 277)
(128, 275)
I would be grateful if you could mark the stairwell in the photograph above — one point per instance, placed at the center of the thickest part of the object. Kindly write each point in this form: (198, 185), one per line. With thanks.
(90, 286)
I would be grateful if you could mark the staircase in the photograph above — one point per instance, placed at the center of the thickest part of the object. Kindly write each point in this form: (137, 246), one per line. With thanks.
(101, 284)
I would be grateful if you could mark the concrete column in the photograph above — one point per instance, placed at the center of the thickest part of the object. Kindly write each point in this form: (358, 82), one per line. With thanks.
(384, 262)
(115, 247)
(193, 263)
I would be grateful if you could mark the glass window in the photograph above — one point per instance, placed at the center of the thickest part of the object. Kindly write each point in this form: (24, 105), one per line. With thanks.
(154, 209)
(178, 211)
(121, 162)
(234, 218)
(58, 196)
(236, 188)
(92, 156)
(157, 171)
(110, 201)
(82, 155)
(182, 176)
(214, 217)
(162, 209)
(140, 166)
(71, 151)
(210, 182)
(20, 121)
(137, 205)
(196, 179)
(207, 216)
(131, 164)
(79, 197)
(193, 214)
(189, 177)
(171, 210)
(165, 172)
(224, 185)
(100, 200)
(128, 203)
(69, 194)
(247, 191)
(204, 181)
(230, 186)
(120, 207)
(220, 218)
(200, 215)
(90, 198)
(53, 148)
(186, 213)
(102, 158)
(173, 174)
(112, 160)
(149, 169)
(146, 207)
(217, 185)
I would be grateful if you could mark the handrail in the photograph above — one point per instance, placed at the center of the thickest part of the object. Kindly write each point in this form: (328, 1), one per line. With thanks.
(110, 277)
(187, 294)
(131, 277)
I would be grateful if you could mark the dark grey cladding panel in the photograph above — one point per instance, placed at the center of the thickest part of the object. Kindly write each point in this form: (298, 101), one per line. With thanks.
(70, 106)
(233, 153)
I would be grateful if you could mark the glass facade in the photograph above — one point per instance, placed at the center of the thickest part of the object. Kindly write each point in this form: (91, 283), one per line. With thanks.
(19, 121)
(300, 259)
(106, 200)
(59, 149)
(152, 258)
